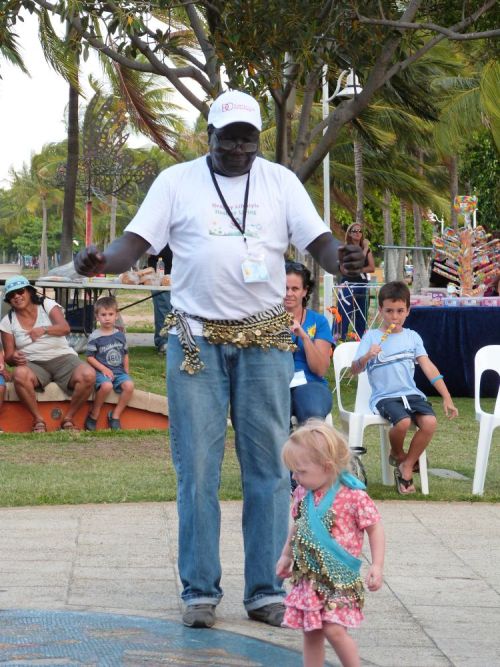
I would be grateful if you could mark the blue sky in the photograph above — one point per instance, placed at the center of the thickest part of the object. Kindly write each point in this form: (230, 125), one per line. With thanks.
(32, 108)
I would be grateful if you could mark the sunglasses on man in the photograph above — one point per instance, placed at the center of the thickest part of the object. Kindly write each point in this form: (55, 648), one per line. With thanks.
(230, 145)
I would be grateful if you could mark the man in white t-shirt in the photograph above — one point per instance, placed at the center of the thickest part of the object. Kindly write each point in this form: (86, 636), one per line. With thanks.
(228, 218)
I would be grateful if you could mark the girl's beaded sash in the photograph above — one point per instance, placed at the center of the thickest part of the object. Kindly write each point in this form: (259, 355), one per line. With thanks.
(318, 557)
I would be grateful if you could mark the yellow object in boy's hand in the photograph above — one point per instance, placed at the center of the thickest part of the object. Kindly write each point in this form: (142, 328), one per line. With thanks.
(387, 332)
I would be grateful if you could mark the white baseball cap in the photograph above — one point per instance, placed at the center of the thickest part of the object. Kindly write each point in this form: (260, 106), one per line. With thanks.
(233, 106)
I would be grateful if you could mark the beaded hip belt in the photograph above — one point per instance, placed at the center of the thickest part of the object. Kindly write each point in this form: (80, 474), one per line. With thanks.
(270, 328)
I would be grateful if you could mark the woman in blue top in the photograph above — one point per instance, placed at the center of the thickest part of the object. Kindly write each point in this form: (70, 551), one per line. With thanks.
(311, 396)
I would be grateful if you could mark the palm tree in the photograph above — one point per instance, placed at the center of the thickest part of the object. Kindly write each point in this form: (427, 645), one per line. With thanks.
(34, 192)
(468, 101)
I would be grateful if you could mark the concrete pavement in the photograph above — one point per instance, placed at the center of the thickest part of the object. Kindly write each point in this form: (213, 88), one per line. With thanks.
(440, 604)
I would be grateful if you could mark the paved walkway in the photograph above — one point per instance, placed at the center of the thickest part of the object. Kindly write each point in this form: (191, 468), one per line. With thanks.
(140, 339)
(440, 604)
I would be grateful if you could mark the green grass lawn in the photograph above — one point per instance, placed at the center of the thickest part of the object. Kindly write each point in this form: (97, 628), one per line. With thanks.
(129, 466)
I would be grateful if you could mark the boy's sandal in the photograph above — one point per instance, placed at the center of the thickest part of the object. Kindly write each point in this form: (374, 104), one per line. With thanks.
(394, 462)
(403, 485)
(39, 427)
(114, 424)
(90, 424)
(68, 425)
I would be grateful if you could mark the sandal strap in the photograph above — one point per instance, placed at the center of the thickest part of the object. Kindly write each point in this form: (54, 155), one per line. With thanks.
(405, 482)
(68, 425)
(39, 427)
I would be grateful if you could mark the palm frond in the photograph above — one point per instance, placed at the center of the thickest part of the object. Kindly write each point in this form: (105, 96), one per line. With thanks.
(57, 52)
(142, 114)
(9, 48)
(490, 93)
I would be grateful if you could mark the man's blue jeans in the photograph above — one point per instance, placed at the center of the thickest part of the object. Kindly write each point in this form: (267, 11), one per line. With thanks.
(254, 385)
(161, 308)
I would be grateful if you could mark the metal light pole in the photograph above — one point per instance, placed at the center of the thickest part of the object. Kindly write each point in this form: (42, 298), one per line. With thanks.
(326, 159)
(351, 89)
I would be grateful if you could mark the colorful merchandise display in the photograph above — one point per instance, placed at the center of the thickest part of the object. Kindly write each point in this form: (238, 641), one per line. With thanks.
(466, 205)
(467, 257)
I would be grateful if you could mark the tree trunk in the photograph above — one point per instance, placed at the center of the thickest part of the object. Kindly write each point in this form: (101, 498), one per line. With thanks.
(112, 219)
(280, 114)
(70, 182)
(420, 276)
(453, 168)
(403, 241)
(420, 273)
(290, 101)
(43, 265)
(359, 180)
(389, 255)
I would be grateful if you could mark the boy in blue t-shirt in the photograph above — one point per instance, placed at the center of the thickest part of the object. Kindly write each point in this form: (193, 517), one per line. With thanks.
(389, 354)
(107, 353)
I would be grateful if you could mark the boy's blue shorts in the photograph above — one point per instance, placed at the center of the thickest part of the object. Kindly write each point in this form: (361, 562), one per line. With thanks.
(394, 410)
(117, 381)
(2, 381)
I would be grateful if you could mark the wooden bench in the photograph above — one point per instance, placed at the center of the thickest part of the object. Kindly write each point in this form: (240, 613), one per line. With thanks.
(144, 411)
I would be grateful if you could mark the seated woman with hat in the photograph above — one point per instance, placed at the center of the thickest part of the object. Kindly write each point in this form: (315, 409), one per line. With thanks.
(34, 342)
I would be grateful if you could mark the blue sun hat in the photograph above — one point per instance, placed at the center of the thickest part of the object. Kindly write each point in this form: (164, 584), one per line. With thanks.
(14, 283)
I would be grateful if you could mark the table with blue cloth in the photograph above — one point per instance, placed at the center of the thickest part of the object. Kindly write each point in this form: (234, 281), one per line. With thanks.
(452, 336)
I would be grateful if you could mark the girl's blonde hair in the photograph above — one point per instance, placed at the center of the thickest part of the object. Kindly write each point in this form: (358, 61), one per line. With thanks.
(322, 443)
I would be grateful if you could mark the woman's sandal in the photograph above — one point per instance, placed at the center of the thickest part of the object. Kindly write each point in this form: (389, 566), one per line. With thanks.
(39, 427)
(68, 425)
(403, 485)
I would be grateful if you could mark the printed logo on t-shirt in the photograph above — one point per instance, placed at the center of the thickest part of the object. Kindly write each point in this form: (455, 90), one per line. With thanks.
(383, 359)
(113, 357)
(222, 225)
(311, 331)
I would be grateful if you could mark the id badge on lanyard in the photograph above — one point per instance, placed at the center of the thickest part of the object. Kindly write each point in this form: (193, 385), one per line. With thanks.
(254, 269)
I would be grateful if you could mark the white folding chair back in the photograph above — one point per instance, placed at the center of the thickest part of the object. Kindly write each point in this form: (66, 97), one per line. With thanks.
(362, 416)
(487, 358)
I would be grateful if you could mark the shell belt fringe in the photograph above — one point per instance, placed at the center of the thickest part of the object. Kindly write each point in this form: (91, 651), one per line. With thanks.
(270, 328)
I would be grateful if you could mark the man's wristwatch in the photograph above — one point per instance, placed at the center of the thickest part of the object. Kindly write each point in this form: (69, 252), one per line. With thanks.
(46, 330)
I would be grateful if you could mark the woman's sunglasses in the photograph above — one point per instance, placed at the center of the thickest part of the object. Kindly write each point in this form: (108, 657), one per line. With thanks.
(356, 231)
(16, 292)
(294, 266)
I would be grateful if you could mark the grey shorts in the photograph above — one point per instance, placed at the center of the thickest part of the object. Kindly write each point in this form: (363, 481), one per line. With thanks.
(394, 409)
(58, 370)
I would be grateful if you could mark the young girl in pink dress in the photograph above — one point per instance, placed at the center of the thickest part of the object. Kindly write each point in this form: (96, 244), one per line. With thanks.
(331, 511)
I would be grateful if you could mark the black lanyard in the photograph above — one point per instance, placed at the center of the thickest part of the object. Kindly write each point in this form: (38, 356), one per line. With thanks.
(241, 228)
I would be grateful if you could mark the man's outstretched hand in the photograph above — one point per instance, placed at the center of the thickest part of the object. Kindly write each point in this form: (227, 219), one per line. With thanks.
(90, 261)
(352, 259)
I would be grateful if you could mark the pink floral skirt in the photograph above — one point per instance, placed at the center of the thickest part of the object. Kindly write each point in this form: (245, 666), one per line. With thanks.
(305, 610)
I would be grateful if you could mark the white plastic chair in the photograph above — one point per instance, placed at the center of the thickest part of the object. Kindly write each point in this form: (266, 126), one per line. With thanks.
(362, 416)
(487, 358)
